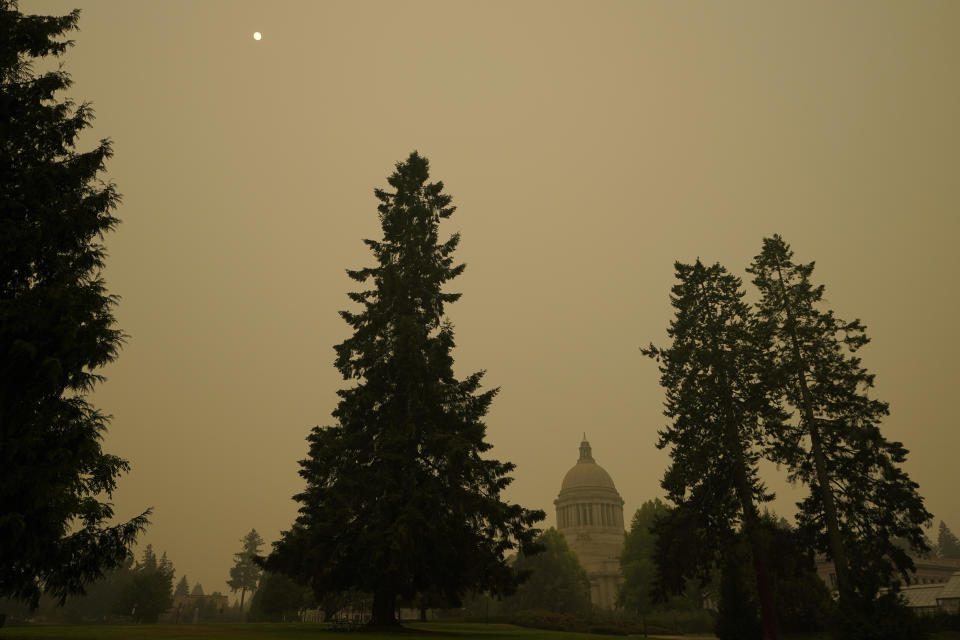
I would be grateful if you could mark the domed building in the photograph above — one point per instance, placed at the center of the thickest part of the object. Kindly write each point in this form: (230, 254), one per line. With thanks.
(590, 516)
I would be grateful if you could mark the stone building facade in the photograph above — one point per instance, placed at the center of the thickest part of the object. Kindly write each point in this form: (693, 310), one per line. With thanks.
(590, 516)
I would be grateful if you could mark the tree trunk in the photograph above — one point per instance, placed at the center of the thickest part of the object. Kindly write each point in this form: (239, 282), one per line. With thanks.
(383, 610)
(816, 447)
(243, 592)
(423, 613)
(768, 614)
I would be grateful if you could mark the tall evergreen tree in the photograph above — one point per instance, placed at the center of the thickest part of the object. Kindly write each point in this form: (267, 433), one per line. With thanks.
(860, 498)
(165, 566)
(183, 587)
(400, 499)
(148, 560)
(717, 400)
(56, 327)
(948, 546)
(245, 573)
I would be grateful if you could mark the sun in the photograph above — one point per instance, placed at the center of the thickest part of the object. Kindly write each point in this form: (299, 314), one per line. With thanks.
(257, 35)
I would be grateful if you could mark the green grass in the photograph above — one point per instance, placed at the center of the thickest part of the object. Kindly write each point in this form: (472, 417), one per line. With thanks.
(267, 631)
(941, 635)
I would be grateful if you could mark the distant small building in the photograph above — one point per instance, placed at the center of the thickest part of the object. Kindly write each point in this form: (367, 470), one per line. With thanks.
(590, 516)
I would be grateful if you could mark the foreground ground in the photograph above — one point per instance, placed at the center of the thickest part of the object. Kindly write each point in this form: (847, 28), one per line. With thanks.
(414, 631)
(254, 631)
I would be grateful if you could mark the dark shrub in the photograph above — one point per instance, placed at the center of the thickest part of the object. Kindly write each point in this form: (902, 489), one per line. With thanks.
(537, 619)
(886, 617)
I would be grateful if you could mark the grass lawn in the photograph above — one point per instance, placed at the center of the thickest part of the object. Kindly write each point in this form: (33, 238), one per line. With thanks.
(265, 631)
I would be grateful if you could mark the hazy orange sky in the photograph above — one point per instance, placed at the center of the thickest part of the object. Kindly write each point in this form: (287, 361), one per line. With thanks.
(588, 146)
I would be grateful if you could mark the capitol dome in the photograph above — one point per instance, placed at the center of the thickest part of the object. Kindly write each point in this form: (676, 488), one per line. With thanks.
(590, 516)
(586, 473)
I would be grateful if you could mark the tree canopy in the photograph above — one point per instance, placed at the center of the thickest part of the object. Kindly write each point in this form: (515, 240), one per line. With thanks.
(781, 380)
(861, 500)
(948, 546)
(717, 399)
(638, 559)
(150, 590)
(278, 598)
(245, 573)
(401, 498)
(557, 580)
(56, 326)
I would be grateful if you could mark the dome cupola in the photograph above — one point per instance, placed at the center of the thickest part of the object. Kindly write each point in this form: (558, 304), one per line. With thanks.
(586, 453)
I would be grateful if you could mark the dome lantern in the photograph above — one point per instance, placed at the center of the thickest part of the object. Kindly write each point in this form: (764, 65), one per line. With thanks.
(586, 454)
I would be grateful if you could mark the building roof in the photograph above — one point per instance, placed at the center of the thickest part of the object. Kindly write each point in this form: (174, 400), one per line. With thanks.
(951, 589)
(922, 595)
(930, 595)
(586, 473)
